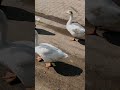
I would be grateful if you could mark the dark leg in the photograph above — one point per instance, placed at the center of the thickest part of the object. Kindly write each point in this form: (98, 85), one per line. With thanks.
(9, 77)
(73, 39)
(94, 33)
(90, 28)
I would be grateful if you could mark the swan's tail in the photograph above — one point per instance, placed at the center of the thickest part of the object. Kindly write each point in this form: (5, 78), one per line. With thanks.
(65, 55)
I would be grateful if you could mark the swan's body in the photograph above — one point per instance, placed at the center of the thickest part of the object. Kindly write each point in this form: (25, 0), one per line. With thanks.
(17, 56)
(104, 13)
(48, 52)
(75, 29)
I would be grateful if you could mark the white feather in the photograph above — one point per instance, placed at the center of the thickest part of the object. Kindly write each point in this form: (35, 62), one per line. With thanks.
(48, 52)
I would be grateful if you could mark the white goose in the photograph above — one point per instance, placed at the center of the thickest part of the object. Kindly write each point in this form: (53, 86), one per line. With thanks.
(75, 29)
(17, 56)
(47, 52)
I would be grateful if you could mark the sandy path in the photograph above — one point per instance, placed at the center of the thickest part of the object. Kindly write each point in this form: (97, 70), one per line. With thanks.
(69, 73)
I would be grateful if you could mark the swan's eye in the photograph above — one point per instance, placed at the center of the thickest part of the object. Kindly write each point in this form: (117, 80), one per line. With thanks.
(71, 12)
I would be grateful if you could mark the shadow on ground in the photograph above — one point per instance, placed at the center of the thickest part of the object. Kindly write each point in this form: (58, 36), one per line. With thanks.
(44, 32)
(53, 18)
(112, 37)
(81, 41)
(67, 69)
(18, 14)
(57, 29)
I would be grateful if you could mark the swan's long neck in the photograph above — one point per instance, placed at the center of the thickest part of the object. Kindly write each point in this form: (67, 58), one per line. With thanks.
(3, 28)
(36, 38)
(70, 19)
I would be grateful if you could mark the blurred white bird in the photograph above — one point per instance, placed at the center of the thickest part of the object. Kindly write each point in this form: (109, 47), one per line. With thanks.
(17, 56)
(104, 14)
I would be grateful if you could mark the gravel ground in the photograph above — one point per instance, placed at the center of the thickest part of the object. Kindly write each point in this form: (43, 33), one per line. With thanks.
(68, 74)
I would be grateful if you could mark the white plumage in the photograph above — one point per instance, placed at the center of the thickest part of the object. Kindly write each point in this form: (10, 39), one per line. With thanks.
(17, 56)
(48, 52)
(75, 29)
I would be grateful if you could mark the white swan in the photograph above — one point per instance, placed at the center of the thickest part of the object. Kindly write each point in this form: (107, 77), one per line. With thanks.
(75, 29)
(17, 56)
(47, 52)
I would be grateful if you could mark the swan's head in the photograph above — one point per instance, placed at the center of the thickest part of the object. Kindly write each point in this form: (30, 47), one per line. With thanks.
(69, 12)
